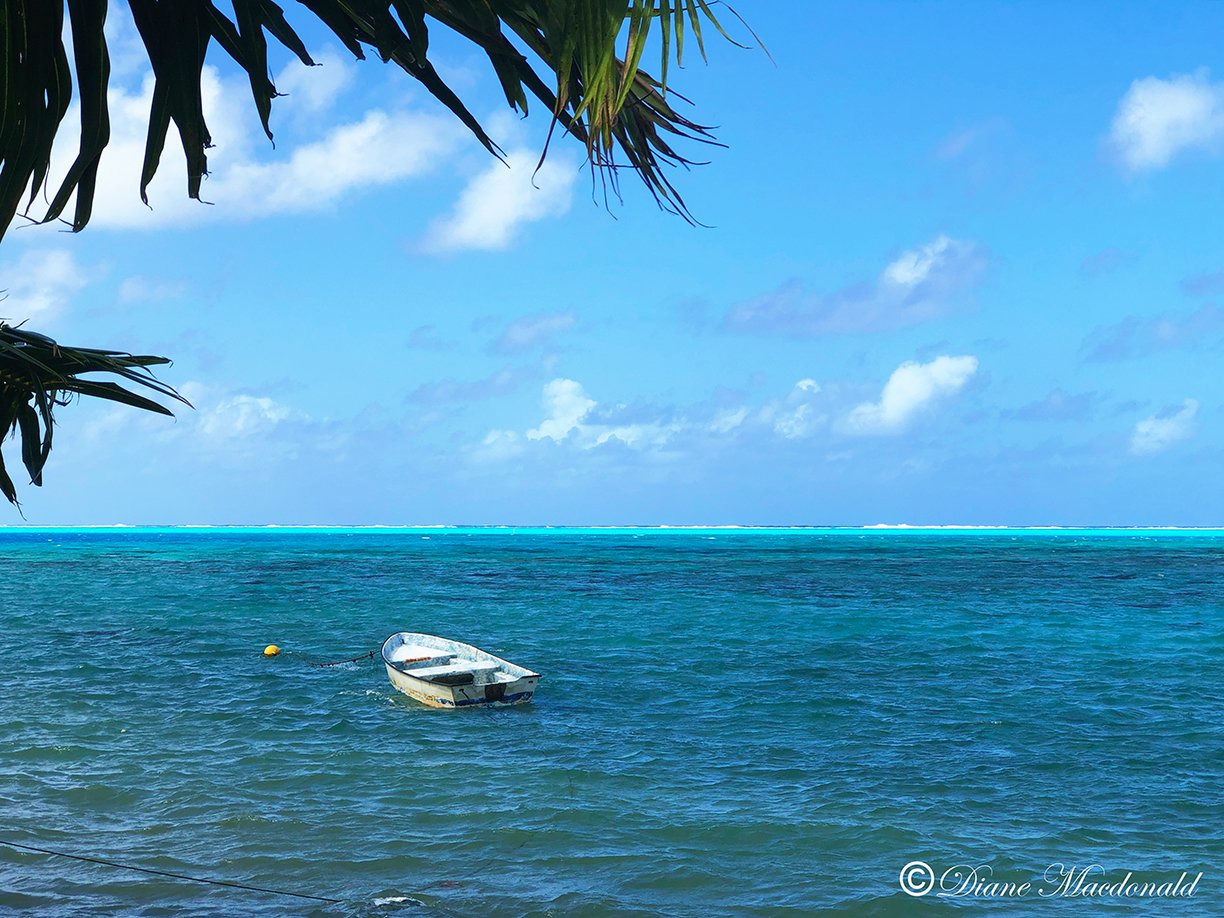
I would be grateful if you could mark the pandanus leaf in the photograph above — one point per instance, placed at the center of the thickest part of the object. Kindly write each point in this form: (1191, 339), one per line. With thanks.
(585, 66)
(37, 375)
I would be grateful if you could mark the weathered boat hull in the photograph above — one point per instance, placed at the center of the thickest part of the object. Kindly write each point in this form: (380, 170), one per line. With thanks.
(462, 696)
(443, 673)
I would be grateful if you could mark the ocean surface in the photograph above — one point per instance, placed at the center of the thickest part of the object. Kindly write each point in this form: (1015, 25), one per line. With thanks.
(731, 722)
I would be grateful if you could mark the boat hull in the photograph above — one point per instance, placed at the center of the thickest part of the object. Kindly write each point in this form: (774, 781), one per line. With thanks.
(462, 696)
(443, 673)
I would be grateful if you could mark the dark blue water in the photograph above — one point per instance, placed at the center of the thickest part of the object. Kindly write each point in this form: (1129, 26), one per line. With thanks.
(738, 723)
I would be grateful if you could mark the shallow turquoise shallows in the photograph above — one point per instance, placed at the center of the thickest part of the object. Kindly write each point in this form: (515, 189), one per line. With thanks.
(729, 723)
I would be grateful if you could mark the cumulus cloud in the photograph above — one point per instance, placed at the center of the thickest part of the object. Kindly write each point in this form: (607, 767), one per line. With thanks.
(795, 416)
(574, 418)
(1139, 336)
(225, 425)
(311, 90)
(919, 285)
(726, 421)
(575, 422)
(240, 417)
(379, 149)
(39, 285)
(635, 436)
(240, 428)
(1159, 432)
(910, 390)
(566, 403)
(498, 201)
(499, 445)
(532, 331)
(915, 266)
(1159, 119)
(247, 178)
(342, 156)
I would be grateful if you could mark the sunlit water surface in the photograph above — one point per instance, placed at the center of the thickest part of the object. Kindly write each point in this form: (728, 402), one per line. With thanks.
(738, 723)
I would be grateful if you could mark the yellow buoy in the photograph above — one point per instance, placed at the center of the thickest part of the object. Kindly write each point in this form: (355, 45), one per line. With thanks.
(271, 650)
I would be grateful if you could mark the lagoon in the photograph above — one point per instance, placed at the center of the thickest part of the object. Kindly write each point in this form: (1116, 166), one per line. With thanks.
(738, 722)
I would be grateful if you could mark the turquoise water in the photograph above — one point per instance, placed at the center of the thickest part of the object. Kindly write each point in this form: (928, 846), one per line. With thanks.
(730, 722)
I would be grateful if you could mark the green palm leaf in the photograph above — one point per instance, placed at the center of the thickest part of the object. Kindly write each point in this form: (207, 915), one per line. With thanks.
(582, 59)
(38, 375)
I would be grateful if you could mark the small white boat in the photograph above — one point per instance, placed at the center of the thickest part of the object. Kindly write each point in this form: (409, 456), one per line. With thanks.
(446, 674)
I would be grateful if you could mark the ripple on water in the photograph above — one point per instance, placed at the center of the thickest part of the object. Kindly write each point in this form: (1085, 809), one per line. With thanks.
(754, 725)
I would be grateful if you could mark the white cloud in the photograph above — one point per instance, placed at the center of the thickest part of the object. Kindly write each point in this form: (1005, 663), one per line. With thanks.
(576, 422)
(1159, 432)
(128, 56)
(567, 404)
(117, 199)
(569, 419)
(499, 445)
(379, 149)
(529, 331)
(919, 285)
(910, 389)
(110, 423)
(247, 178)
(916, 266)
(39, 285)
(499, 200)
(242, 416)
(635, 436)
(220, 422)
(728, 420)
(794, 417)
(1157, 119)
(797, 423)
(311, 90)
(226, 428)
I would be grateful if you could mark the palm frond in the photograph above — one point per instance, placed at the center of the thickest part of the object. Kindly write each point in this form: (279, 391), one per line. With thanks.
(38, 375)
(594, 89)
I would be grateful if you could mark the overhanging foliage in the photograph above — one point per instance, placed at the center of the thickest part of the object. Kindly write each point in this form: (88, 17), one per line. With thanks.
(585, 67)
(37, 375)
(580, 58)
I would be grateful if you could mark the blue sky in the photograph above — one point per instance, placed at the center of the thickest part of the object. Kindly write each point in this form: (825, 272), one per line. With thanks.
(964, 265)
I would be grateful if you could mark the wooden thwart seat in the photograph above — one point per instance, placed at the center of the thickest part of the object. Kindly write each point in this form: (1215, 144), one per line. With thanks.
(450, 669)
(412, 654)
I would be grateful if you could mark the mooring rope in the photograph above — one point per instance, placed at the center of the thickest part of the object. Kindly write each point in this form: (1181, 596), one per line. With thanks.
(166, 873)
(263, 889)
(364, 656)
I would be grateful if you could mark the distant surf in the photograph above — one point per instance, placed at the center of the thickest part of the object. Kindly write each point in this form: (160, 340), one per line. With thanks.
(664, 529)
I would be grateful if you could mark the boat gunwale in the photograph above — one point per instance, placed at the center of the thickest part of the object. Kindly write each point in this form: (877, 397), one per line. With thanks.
(527, 674)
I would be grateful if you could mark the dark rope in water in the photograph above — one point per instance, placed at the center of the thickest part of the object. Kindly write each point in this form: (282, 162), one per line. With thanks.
(364, 656)
(166, 873)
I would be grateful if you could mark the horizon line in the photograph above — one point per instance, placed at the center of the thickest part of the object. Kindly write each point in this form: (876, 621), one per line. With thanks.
(660, 527)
